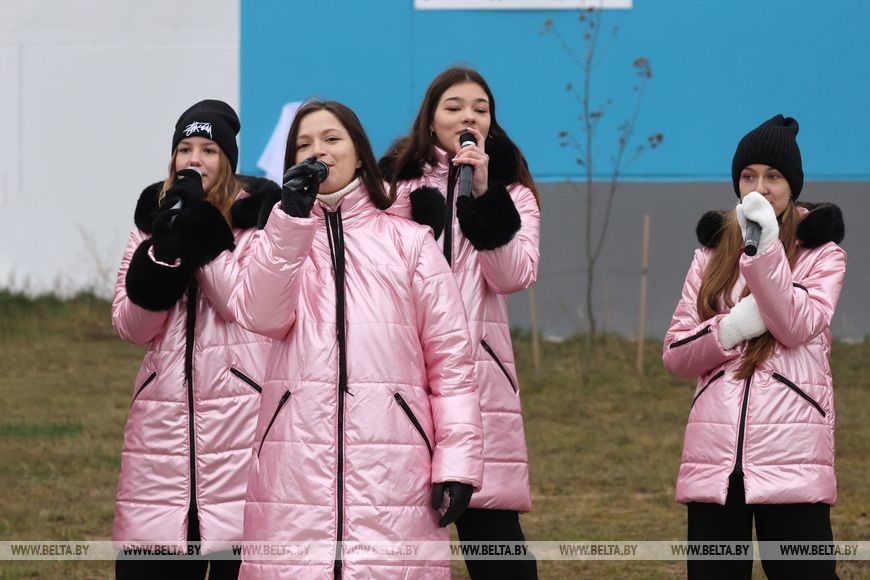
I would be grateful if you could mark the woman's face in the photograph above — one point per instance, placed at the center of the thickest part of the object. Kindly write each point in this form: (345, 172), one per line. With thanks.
(767, 181)
(462, 105)
(323, 136)
(202, 153)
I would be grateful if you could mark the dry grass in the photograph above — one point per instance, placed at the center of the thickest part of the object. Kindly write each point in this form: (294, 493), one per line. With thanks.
(604, 453)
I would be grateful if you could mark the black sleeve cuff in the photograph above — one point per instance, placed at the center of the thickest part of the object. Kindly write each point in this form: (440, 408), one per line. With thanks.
(428, 207)
(204, 235)
(153, 286)
(489, 221)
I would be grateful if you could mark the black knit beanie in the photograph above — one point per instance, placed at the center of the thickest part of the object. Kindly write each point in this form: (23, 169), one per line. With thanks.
(773, 143)
(213, 120)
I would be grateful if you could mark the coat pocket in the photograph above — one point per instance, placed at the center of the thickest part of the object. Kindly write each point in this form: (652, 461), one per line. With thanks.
(503, 368)
(703, 332)
(147, 382)
(413, 418)
(713, 379)
(246, 379)
(800, 392)
(281, 404)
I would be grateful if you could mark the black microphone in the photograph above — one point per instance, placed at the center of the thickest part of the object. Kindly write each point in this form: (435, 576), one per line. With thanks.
(316, 170)
(753, 235)
(465, 171)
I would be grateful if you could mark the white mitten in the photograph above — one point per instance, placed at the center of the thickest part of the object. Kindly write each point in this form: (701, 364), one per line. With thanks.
(742, 323)
(756, 208)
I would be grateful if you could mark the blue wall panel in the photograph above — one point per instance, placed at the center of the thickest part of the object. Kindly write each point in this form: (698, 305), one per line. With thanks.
(719, 69)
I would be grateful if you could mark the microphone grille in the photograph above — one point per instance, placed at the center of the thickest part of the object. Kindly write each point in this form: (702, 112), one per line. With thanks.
(466, 138)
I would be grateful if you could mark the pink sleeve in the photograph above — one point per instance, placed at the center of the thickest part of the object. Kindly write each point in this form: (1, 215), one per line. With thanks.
(219, 278)
(443, 330)
(514, 266)
(795, 311)
(133, 323)
(691, 346)
(267, 295)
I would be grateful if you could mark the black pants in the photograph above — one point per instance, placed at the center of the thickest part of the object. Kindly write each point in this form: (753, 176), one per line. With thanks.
(478, 525)
(193, 569)
(773, 522)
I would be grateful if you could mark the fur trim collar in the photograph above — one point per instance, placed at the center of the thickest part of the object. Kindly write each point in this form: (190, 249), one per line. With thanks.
(502, 163)
(822, 223)
(245, 211)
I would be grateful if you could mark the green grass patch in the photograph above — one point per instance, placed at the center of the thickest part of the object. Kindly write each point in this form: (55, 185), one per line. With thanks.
(604, 441)
(40, 430)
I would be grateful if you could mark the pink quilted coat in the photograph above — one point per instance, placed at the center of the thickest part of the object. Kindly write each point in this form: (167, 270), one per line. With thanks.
(368, 397)
(485, 279)
(187, 445)
(777, 426)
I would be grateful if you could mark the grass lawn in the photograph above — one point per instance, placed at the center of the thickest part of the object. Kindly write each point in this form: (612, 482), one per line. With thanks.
(604, 451)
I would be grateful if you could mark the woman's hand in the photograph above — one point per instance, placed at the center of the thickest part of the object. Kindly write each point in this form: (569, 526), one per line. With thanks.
(744, 322)
(756, 208)
(475, 156)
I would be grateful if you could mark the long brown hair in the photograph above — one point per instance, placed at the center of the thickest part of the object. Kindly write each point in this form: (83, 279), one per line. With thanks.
(221, 195)
(419, 144)
(368, 172)
(720, 276)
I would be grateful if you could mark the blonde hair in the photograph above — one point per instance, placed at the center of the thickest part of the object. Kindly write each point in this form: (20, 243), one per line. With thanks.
(221, 195)
(720, 276)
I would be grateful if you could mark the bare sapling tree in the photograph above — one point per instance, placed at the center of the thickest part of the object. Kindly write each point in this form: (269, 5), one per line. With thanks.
(589, 56)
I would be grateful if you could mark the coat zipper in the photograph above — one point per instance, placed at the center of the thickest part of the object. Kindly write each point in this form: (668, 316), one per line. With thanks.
(335, 234)
(448, 217)
(246, 379)
(491, 352)
(741, 429)
(281, 403)
(413, 418)
(189, 341)
(688, 339)
(147, 382)
(800, 392)
(715, 377)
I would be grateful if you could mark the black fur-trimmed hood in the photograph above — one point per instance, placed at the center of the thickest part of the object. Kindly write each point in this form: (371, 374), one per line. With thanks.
(502, 163)
(822, 224)
(246, 212)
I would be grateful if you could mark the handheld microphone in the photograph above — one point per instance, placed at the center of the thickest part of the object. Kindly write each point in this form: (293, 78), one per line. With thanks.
(316, 169)
(753, 235)
(186, 173)
(466, 171)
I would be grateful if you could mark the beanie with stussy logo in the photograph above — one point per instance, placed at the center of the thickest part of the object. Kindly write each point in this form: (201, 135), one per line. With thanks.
(213, 120)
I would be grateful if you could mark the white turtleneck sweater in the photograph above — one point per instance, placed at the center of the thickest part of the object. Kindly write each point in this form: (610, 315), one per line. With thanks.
(331, 200)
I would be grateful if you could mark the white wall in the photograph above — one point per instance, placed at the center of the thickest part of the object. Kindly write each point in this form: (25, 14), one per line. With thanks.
(91, 90)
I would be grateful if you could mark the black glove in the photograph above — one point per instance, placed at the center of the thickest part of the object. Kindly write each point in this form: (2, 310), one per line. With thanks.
(166, 235)
(187, 189)
(460, 495)
(301, 184)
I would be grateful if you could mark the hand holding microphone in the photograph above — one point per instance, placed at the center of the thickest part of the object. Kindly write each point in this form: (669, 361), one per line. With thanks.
(466, 172)
(301, 184)
(187, 189)
(473, 171)
(166, 229)
(758, 222)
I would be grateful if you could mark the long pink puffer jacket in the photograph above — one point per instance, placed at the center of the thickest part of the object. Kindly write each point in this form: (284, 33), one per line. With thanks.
(368, 397)
(777, 426)
(485, 279)
(187, 445)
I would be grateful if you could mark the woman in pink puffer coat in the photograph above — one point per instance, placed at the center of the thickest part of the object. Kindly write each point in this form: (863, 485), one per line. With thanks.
(369, 411)
(187, 442)
(491, 241)
(754, 329)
